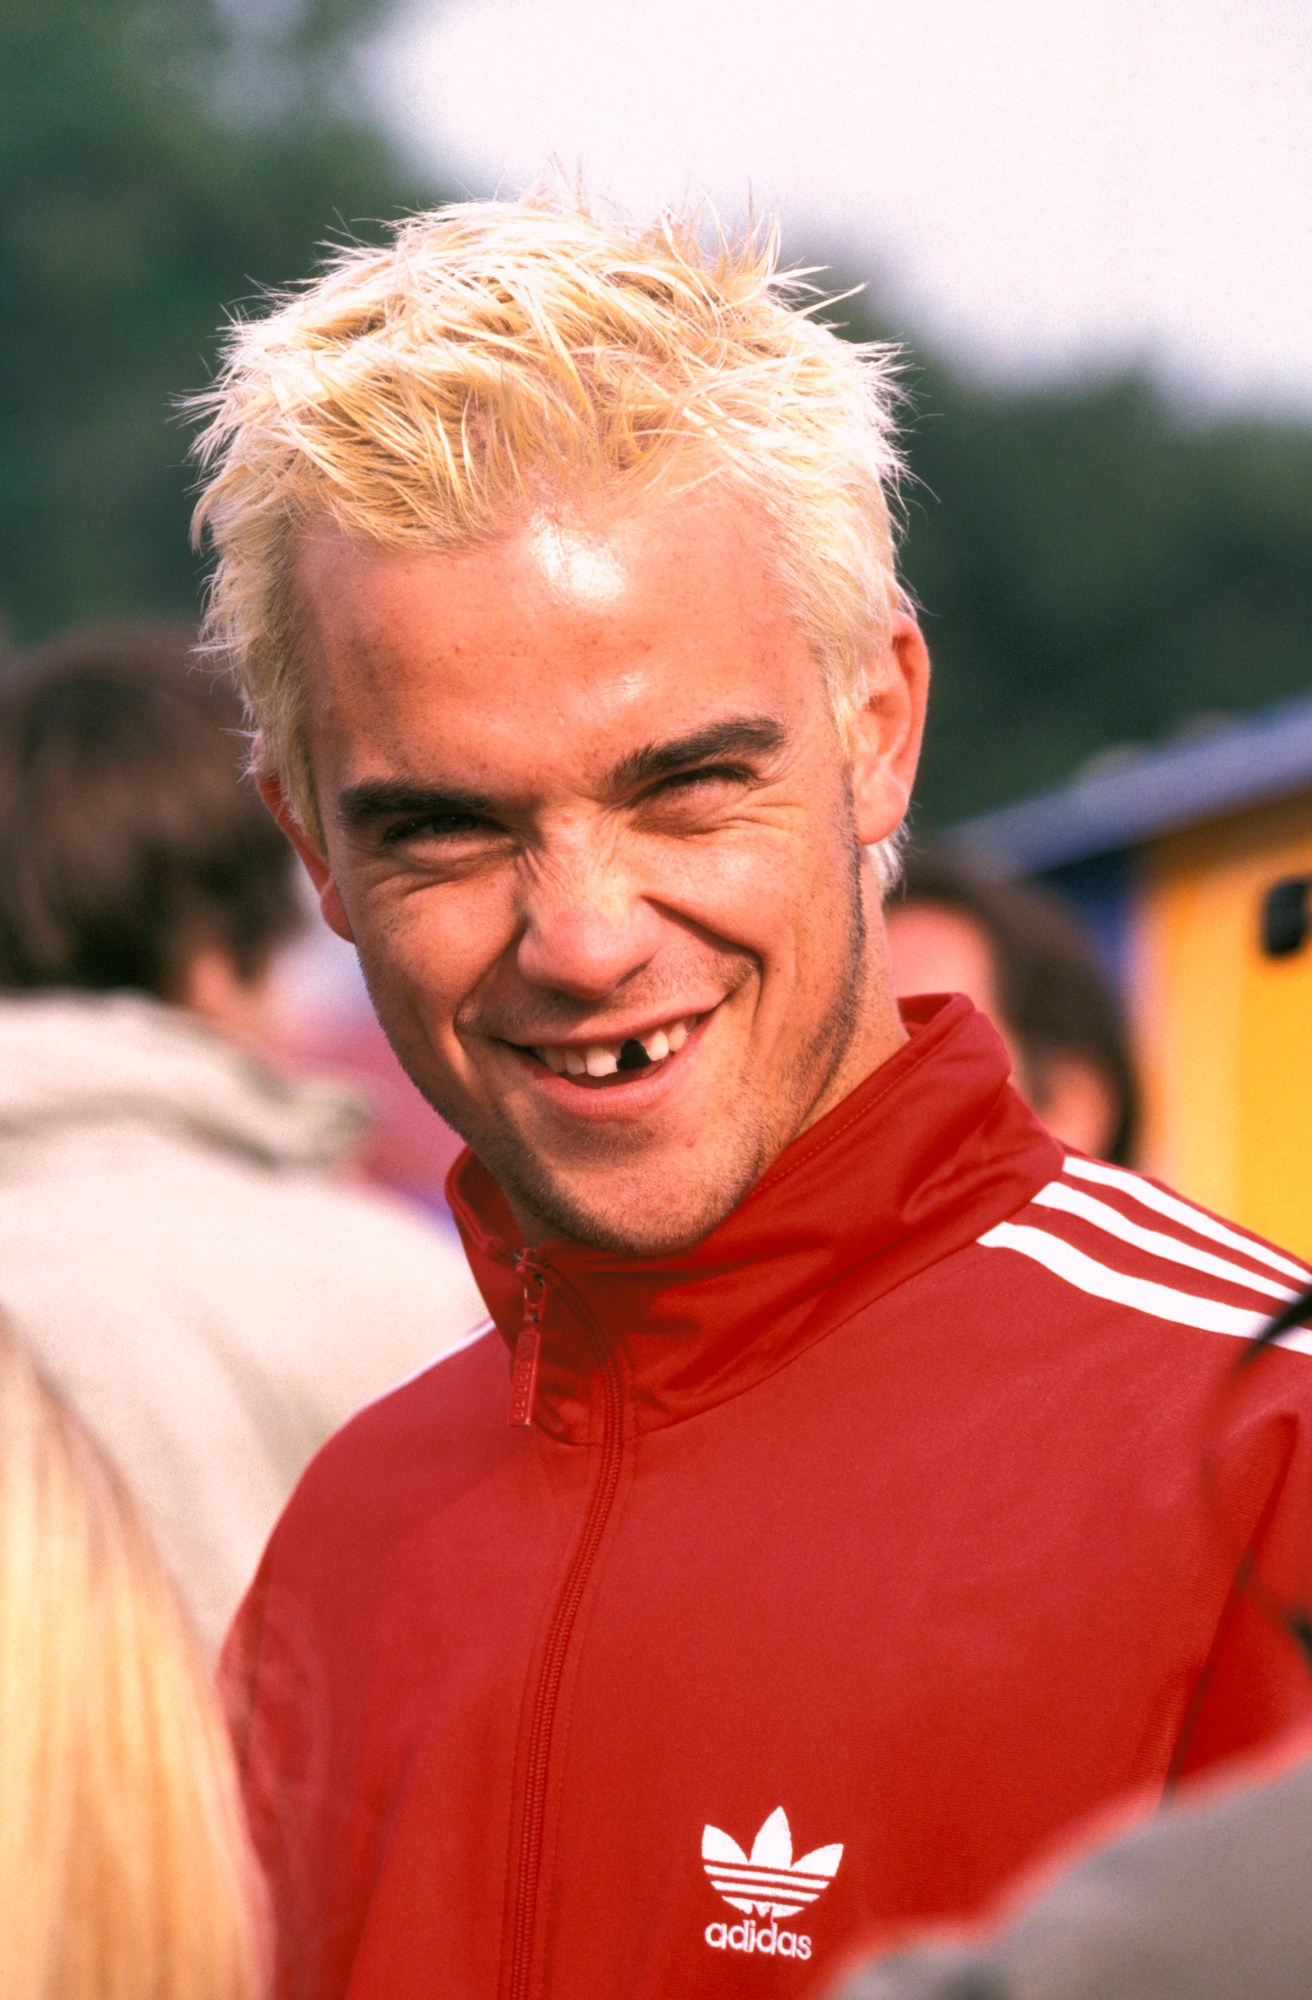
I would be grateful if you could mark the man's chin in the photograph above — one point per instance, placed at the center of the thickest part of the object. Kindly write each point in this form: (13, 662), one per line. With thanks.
(633, 1215)
(637, 1237)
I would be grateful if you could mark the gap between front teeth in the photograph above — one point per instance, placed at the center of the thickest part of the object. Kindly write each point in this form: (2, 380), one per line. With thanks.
(603, 1058)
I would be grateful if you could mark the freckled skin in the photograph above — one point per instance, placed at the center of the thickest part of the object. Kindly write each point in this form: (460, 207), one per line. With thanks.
(567, 904)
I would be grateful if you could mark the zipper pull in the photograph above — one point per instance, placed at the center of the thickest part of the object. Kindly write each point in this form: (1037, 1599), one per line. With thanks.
(528, 1344)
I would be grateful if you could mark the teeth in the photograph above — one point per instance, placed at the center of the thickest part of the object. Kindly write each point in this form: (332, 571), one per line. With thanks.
(603, 1058)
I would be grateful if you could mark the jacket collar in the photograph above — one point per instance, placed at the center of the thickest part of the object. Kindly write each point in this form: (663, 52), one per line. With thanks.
(924, 1155)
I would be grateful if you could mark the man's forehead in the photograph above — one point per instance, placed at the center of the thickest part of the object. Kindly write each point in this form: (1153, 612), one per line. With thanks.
(585, 564)
(588, 549)
(617, 634)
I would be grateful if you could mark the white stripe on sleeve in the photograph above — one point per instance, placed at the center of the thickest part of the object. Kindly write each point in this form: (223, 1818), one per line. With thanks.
(1186, 1215)
(1099, 1281)
(1073, 1201)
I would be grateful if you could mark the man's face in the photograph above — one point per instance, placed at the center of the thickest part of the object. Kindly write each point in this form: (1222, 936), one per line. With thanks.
(589, 824)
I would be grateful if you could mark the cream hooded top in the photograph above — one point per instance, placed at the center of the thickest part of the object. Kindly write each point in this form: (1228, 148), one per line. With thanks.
(177, 1249)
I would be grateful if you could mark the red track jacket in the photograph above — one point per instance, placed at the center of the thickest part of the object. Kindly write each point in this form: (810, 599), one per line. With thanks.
(845, 1562)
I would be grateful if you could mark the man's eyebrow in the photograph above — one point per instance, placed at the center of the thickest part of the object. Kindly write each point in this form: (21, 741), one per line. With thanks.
(738, 736)
(361, 806)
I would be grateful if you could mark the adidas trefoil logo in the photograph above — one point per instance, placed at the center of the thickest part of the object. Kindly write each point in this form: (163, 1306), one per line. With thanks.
(766, 1883)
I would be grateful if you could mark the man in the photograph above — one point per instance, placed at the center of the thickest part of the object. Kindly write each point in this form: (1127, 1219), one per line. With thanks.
(818, 1531)
(176, 1241)
(1019, 955)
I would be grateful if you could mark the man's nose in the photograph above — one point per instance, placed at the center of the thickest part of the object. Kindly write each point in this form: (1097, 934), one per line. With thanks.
(586, 928)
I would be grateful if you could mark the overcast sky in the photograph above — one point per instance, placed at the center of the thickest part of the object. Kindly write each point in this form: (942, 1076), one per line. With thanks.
(1037, 184)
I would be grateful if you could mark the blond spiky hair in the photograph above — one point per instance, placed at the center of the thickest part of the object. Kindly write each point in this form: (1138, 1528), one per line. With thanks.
(496, 354)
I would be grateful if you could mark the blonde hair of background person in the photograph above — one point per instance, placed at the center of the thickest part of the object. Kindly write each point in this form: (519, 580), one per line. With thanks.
(498, 358)
(124, 1869)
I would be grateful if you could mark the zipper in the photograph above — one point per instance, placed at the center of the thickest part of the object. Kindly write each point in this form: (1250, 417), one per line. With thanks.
(600, 1500)
(528, 1341)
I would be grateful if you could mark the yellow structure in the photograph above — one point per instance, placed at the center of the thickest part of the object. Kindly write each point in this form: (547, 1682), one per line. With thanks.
(1223, 1028)
(1193, 866)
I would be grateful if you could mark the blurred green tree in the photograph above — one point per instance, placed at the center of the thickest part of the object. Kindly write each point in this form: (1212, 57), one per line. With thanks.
(1095, 567)
(1092, 567)
(160, 161)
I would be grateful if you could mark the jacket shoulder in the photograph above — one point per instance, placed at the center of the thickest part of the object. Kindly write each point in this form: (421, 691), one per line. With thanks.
(1108, 1236)
(419, 1421)
(388, 1473)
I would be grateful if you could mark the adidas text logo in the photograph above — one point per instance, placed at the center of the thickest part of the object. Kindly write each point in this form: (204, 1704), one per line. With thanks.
(765, 1883)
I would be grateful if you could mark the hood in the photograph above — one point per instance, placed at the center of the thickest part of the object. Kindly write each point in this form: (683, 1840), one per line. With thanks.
(933, 1148)
(70, 1060)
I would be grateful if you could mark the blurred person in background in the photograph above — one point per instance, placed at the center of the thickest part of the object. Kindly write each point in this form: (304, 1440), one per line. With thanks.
(816, 1535)
(125, 1870)
(1020, 956)
(177, 1240)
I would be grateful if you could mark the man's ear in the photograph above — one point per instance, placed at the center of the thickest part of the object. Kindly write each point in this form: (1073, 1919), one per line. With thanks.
(888, 733)
(273, 792)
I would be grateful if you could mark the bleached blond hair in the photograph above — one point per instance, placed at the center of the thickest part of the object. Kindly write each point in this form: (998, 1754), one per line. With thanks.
(124, 1865)
(494, 356)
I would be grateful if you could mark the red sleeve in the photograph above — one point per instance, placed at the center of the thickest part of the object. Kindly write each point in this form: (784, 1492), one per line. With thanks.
(275, 1712)
(1255, 1690)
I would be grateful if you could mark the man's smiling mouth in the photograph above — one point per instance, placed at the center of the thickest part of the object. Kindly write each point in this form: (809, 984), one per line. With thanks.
(611, 1062)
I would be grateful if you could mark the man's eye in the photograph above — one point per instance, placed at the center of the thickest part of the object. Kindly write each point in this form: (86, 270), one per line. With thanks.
(433, 826)
(703, 775)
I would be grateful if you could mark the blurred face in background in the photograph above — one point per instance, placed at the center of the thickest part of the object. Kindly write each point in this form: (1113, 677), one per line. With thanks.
(591, 827)
(934, 948)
